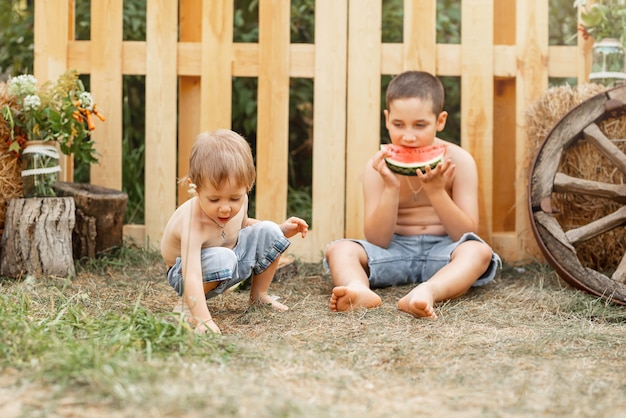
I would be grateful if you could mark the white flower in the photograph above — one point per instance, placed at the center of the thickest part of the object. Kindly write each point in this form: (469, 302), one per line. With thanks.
(31, 102)
(22, 85)
(579, 3)
(86, 101)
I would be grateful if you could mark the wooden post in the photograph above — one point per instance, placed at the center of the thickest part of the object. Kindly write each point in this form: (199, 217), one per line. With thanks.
(37, 237)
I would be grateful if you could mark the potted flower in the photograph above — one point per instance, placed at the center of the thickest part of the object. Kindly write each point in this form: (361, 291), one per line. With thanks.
(41, 121)
(605, 21)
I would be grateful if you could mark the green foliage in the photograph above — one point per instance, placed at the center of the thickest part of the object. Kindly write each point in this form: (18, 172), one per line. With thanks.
(300, 203)
(562, 22)
(134, 146)
(449, 21)
(604, 19)
(16, 32)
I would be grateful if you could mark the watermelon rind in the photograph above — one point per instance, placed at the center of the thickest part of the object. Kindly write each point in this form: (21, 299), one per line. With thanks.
(410, 169)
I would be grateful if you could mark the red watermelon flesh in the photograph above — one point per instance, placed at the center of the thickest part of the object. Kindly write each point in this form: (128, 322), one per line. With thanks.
(406, 160)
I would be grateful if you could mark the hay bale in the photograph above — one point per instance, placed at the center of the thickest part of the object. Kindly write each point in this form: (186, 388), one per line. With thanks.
(550, 108)
(582, 160)
(10, 164)
(10, 181)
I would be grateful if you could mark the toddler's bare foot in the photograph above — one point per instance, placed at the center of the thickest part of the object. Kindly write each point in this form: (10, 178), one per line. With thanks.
(346, 298)
(267, 300)
(419, 303)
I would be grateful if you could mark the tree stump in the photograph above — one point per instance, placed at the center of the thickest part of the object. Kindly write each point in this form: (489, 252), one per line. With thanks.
(99, 217)
(37, 237)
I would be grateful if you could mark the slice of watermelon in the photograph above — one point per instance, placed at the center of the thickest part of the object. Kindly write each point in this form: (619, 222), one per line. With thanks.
(406, 160)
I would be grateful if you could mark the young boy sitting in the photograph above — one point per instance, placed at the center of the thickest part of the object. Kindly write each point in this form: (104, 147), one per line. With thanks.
(210, 244)
(418, 229)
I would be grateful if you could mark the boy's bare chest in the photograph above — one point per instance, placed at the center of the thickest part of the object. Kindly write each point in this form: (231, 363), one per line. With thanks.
(214, 235)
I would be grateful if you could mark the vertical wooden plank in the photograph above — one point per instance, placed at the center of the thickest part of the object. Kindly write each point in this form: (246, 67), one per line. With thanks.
(329, 130)
(420, 35)
(52, 32)
(189, 102)
(363, 114)
(106, 87)
(504, 154)
(504, 140)
(71, 20)
(161, 83)
(67, 162)
(217, 59)
(273, 110)
(531, 82)
(504, 22)
(477, 99)
(51, 38)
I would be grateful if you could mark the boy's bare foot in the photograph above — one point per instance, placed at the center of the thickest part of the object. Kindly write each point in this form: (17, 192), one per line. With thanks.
(346, 298)
(419, 303)
(267, 300)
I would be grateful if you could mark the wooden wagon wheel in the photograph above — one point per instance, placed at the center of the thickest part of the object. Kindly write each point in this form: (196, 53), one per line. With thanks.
(558, 243)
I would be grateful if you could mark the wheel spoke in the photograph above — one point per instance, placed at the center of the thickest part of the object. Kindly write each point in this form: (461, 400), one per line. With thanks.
(568, 184)
(594, 135)
(620, 274)
(597, 227)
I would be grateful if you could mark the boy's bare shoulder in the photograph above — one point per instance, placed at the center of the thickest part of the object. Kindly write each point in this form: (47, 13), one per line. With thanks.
(457, 153)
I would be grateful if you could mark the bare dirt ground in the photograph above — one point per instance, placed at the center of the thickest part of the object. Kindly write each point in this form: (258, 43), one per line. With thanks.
(527, 345)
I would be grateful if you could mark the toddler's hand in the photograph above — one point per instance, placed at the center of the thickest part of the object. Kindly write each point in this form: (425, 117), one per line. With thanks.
(294, 225)
(204, 326)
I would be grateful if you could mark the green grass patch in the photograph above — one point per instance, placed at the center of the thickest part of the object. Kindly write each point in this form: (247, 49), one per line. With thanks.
(57, 332)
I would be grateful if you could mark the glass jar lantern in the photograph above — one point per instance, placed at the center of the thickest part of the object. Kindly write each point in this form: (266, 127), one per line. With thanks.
(40, 169)
(607, 63)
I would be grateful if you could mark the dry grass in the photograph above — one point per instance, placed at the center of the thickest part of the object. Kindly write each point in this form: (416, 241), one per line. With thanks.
(526, 345)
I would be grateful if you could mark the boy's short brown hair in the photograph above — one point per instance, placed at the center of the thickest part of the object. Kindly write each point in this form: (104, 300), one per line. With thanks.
(420, 84)
(220, 155)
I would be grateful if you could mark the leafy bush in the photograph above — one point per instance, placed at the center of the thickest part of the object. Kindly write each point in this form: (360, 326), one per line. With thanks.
(16, 32)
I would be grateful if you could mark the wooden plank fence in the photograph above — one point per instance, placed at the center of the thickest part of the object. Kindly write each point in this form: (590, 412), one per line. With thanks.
(189, 59)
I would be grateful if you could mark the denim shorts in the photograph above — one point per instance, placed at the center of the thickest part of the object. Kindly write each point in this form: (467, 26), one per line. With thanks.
(257, 247)
(416, 258)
